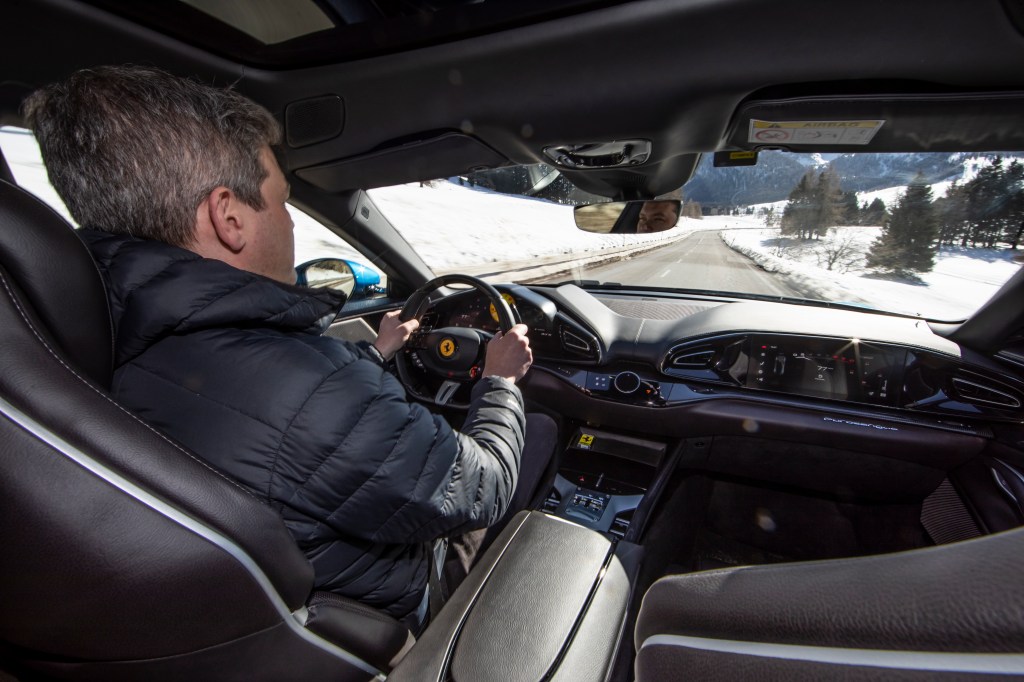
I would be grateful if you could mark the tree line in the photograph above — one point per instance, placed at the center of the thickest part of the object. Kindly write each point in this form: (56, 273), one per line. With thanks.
(986, 211)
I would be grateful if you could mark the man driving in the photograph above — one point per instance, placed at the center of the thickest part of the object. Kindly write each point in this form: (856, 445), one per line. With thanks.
(182, 205)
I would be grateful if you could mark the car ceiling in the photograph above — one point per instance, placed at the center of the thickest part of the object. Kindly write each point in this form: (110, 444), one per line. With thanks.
(684, 74)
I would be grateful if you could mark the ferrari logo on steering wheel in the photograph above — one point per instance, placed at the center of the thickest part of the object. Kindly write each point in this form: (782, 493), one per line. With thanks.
(447, 347)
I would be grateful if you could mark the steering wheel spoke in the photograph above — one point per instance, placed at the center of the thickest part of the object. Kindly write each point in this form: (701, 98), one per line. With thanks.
(446, 392)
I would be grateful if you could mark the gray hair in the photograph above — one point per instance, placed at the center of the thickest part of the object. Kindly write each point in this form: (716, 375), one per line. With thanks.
(136, 150)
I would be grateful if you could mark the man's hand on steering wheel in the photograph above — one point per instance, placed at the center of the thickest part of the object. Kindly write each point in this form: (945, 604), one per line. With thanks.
(440, 361)
(393, 333)
(509, 354)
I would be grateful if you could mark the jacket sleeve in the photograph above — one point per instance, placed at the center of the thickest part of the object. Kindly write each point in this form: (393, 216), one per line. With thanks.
(483, 474)
(392, 472)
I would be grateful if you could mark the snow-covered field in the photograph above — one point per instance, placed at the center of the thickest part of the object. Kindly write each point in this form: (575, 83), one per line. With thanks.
(478, 231)
(961, 280)
(456, 228)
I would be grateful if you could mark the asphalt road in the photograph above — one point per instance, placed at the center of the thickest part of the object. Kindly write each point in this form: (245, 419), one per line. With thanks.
(700, 261)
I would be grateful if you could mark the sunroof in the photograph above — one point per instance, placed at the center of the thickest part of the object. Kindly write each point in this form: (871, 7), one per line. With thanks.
(268, 21)
(294, 33)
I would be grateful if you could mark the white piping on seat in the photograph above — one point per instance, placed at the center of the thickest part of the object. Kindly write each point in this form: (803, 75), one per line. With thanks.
(45, 435)
(934, 661)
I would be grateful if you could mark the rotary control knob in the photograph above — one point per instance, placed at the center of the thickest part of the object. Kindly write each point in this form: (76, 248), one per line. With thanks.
(627, 382)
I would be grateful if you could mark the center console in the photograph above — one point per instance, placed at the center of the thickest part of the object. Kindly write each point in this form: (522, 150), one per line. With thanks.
(603, 478)
(547, 601)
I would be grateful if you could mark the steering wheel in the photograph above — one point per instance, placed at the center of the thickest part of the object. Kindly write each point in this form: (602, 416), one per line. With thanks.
(448, 357)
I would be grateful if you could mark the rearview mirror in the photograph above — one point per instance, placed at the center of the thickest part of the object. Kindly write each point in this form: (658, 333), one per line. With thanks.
(629, 217)
(353, 279)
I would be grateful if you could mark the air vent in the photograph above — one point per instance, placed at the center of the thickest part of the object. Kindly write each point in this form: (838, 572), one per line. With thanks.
(980, 391)
(691, 359)
(577, 341)
(722, 360)
(574, 341)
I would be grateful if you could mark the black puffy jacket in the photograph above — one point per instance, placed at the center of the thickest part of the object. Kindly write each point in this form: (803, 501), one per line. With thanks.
(233, 365)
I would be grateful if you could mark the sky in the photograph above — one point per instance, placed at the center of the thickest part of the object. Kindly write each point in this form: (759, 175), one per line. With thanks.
(478, 232)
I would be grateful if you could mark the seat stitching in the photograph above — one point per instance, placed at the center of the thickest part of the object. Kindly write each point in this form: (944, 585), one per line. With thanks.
(176, 446)
(103, 283)
(353, 608)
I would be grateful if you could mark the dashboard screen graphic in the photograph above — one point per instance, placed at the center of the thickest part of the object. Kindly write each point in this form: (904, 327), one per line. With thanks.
(826, 368)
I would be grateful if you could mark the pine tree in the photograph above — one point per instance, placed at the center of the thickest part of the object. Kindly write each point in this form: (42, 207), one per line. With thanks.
(815, 204)
(908, 243)
(826, 200)
(1014, 229)
(985, 199)
(951, 214)
(849, 209)
(797, 215)
(875, 213)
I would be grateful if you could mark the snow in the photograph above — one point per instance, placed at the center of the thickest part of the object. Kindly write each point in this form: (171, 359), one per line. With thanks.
(457, 228)
(961, 280)
(22, 155)
(476, 231)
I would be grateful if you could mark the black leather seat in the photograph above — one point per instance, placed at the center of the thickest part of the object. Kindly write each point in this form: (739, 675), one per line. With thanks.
(123, 555)
(949, 612)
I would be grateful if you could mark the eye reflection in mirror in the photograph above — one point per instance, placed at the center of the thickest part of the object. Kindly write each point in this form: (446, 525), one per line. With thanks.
(629, 217)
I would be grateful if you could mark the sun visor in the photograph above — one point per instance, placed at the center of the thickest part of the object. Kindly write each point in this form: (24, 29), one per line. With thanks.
(883, 123)
(443, 156)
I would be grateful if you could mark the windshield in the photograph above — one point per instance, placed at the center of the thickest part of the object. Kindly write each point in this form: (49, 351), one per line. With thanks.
(930, 235)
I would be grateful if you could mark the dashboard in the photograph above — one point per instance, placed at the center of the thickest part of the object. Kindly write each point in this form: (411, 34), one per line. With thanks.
(612, 347)
(848, 370)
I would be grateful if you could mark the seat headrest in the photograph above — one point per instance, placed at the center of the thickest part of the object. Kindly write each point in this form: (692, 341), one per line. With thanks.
(57, 277)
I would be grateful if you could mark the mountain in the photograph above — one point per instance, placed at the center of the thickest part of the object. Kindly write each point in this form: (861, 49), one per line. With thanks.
(770, 180)
(776, 173)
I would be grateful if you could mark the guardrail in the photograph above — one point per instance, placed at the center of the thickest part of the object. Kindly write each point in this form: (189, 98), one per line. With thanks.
(545, 267)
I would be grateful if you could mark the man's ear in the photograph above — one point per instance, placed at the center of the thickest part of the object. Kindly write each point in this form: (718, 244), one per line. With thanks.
(226, 218)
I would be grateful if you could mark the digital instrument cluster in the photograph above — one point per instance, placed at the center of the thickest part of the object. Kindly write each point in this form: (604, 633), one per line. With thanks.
(826, 368)
(476, 312)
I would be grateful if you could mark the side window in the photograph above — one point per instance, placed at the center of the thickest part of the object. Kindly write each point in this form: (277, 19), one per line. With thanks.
(312, 240)
(22, 155)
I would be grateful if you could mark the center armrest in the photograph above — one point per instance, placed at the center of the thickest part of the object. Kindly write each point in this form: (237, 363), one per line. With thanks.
(548, 598)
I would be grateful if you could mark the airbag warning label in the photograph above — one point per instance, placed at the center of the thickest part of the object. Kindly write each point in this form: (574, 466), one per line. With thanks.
(813, 132)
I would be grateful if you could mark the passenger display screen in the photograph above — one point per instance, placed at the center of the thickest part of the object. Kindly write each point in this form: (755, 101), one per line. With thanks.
(826, 368)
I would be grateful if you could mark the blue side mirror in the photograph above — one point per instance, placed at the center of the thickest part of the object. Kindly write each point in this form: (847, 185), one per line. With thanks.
(353, 279)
